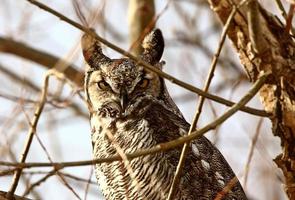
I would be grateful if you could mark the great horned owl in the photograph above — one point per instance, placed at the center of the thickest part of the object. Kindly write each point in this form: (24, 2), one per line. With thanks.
(130, 109)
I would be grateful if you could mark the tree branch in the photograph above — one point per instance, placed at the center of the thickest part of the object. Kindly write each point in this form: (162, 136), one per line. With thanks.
(161, 147)
(145, 64)
(276, 54)
(200, 104)
(10, 46)
(29, 139)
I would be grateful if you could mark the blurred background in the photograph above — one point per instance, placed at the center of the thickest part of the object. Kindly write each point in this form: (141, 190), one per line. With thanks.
(192, 34)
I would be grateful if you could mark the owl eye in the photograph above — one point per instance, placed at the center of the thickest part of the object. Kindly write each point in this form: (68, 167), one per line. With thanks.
(103, 85)
(143, 83)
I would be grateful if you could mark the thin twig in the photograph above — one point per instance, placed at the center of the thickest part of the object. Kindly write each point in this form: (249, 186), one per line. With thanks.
(34, 87)
(32, 132)
(79, 12)
(7, 172)
(25, 179)
(147, 65)
(56, 72)
(88, 183)
(76, 178)
(281, 8)
(160, 147)
(15, 77)
(250, 154)
(57, 171)
(17, 99)
(193, 41)
(200, 104)
(29, 139)
(227, 188)
(37, 183)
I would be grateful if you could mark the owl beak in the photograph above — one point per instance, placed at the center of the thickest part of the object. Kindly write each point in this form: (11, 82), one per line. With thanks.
(123, 99)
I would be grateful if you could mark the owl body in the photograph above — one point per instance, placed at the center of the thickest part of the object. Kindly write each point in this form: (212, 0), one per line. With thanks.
(130, 109)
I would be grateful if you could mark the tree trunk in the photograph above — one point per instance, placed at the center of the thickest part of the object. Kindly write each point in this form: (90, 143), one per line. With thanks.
(141, 21)
(263, 45)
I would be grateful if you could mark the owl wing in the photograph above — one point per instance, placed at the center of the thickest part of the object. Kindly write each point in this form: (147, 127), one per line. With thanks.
(206, 172)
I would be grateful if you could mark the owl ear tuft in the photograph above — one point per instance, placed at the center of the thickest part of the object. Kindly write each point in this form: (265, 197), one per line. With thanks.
(92, 51)
(153, 45)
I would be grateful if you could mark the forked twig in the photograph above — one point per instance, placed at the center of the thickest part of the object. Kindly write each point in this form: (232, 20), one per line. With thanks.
(32, 130)
(56, 171)
(30, 135)
(41, 180)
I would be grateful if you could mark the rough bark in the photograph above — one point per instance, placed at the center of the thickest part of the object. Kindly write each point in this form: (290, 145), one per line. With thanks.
(263, 45)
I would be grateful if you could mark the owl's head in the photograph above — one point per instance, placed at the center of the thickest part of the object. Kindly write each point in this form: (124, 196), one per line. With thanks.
(114, 85)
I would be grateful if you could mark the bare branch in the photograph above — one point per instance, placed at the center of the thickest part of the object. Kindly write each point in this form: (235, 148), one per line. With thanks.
(15, 197)
(200, 104)
(49, 61)
(37, 183)
(277, 56)
(147, 65)
(31, 133)
(161, 147)
(17, 78)
(29, 139)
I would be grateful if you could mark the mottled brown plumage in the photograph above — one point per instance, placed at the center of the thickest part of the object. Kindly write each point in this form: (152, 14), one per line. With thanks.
(131, 109)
